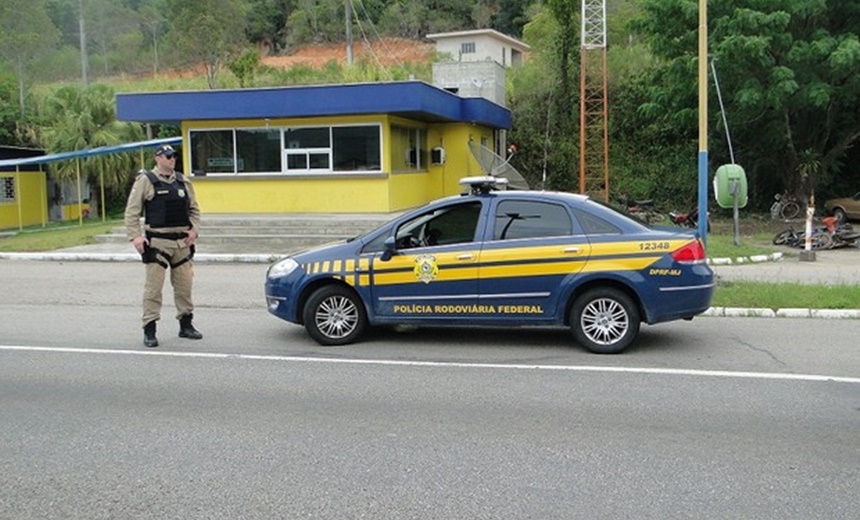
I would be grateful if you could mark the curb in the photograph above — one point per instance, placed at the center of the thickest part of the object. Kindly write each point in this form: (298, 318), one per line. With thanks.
(739, 312)
(755, 259)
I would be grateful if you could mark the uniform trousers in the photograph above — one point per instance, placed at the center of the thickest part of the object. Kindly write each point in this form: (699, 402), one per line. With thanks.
(176, 256)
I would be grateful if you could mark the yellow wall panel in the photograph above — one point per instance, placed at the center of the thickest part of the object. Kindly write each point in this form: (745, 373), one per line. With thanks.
(31, 192)
(296, 195)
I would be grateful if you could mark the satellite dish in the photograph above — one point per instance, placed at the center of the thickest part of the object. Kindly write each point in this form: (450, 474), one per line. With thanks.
(495, 165)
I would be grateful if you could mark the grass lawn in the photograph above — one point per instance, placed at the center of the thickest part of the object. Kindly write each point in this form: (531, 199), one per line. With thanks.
(55, 236)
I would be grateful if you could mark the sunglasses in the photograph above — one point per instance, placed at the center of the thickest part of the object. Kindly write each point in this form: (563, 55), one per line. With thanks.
(169, 155)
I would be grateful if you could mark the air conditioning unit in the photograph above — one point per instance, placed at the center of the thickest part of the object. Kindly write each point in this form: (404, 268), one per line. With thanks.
(437, 155)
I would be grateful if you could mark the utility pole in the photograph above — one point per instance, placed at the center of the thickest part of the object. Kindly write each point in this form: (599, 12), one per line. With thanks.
(83, 34)
(348, 10)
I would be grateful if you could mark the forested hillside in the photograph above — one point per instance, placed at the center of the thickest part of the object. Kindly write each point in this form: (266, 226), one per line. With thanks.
(786, 69)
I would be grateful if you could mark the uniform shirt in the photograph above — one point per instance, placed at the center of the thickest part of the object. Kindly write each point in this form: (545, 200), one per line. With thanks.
(142, 191)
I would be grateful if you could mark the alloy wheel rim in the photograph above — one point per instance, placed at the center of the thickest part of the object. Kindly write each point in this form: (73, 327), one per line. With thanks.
(604, 321)
(336, 317)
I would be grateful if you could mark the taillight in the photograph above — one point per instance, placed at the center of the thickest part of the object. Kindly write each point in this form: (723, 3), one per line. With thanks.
(692, 253)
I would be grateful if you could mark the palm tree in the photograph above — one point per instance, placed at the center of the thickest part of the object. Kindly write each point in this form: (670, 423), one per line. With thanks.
(83, 118)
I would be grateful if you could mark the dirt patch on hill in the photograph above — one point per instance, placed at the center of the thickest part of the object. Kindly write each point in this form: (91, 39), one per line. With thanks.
(385, 51)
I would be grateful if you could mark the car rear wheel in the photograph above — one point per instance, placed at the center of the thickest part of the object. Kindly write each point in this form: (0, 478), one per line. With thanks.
(604, 320)
(839, 213)
(334, 315)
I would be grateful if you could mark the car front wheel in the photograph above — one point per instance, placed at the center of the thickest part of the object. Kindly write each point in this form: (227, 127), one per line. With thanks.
(334, 315)
(604, 320)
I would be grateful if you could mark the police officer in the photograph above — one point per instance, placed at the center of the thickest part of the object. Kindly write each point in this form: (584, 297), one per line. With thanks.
(172, 218)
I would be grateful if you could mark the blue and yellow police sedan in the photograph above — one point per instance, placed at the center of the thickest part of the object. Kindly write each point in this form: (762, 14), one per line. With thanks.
(498, 258)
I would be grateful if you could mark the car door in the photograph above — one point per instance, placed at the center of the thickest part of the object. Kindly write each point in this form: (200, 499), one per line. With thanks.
(433, 270)
(534, 248)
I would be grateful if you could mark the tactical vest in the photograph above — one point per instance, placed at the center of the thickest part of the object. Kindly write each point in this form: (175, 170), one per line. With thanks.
(170, 205)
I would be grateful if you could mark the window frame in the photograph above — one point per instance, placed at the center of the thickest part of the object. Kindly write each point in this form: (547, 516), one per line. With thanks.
(309, 153)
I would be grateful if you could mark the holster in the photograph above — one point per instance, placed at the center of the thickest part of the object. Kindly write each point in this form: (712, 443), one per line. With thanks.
(150, 256)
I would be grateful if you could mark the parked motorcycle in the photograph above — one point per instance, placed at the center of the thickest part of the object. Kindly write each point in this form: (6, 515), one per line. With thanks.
(641, 209)
(689, 219)
(831, 234)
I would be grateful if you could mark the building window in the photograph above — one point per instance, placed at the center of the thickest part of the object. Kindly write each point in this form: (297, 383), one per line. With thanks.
(213, 151)
(7, 189)
(307, 149)
(356, 148)
(467, 48)
(286, 150)
(408, 149)
(259, 150)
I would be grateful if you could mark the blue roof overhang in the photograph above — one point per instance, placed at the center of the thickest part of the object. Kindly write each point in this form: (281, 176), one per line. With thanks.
(410, 99)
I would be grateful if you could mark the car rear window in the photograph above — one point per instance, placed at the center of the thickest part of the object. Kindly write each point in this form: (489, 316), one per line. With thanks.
(594, 225)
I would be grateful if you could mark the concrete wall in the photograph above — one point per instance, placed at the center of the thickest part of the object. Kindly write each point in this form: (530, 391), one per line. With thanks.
(486, 48)
(484, 79)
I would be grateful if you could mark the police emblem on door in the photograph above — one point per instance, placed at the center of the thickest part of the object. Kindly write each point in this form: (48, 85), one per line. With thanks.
(425, 268)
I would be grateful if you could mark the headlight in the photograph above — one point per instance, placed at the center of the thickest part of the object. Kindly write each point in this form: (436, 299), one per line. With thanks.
(282, 268)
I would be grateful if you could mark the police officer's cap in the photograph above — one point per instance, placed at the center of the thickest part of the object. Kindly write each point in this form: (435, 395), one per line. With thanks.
(165, 150)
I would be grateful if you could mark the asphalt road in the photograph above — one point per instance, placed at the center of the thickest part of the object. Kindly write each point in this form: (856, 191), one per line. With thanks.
(714, 418)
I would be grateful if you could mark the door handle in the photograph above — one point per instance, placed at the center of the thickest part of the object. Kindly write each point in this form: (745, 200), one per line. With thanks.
(466, 256)
(570, 250)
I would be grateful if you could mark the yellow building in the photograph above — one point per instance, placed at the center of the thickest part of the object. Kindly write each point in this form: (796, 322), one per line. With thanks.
(377, 147)
(22, 190)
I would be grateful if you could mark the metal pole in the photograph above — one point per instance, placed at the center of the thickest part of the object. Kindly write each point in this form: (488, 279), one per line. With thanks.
(723, 111)
(703, 121)
(80, 202)
(348, 10)
(18, 196)
(102, 190)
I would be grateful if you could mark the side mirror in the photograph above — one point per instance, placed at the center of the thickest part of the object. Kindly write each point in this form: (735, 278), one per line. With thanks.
(390, 246)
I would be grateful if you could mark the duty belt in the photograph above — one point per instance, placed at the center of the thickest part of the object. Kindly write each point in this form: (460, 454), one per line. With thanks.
(169, 236)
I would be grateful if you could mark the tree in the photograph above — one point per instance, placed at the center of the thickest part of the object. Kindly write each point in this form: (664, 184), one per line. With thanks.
(511, 16)
(245, 67)
(84, 118)
(26, 33)
(542, 98)
(788, 75)
(267, 22)
(208, 32)
(154, 23)
(108, 24)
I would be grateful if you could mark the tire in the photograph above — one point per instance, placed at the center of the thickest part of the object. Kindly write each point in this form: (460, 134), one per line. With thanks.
(334, 315)
(822, 240)
(783, 238)
(604, 320)
(789, 210)
(839, 213)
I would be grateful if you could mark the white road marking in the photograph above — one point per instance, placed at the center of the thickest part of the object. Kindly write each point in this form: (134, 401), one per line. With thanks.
(448, 364)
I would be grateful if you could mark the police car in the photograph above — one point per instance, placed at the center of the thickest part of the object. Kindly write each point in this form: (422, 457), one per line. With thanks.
(498, 258)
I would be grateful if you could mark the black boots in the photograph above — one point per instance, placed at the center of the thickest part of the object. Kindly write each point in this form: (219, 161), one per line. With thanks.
(186, 329)
(149, 339)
